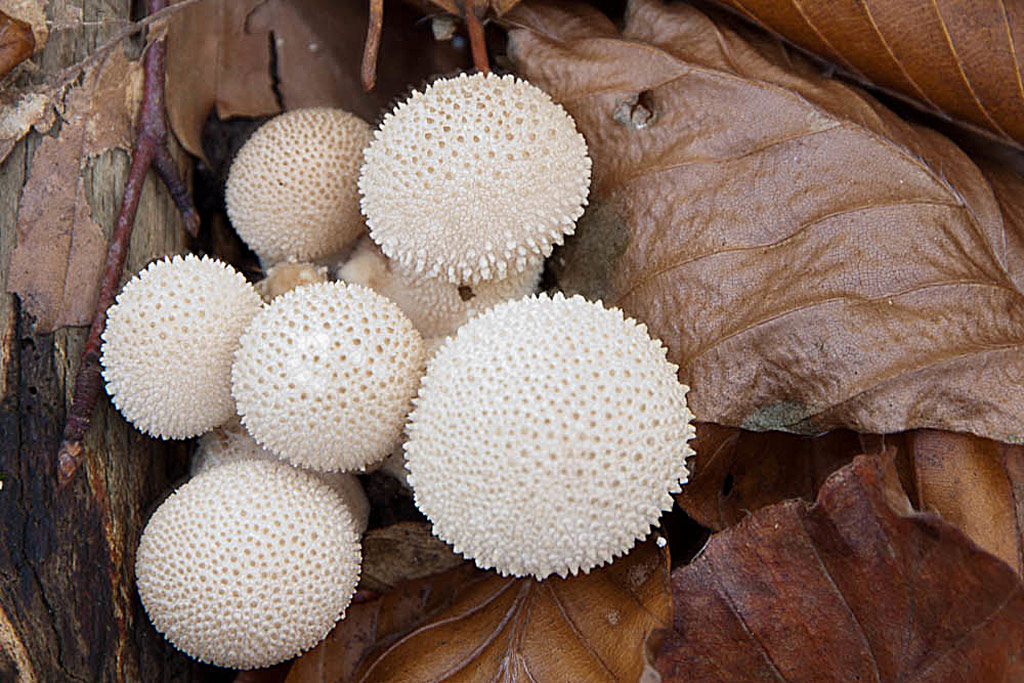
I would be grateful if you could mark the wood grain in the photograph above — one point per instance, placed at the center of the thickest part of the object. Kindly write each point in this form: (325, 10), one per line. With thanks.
(68, 606)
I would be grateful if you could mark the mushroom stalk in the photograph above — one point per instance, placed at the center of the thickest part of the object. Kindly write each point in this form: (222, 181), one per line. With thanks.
(150, 151)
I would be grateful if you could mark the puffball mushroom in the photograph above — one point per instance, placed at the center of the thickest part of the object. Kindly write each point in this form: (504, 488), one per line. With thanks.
(169, 343)
(475, 178)
(231, 443)
(291, 191)
(548, 437)
(248, 564)
(325, 376)
(437, 308)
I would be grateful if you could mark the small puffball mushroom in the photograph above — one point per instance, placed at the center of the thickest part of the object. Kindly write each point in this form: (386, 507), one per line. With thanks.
(548, 437)
(476, 178)
(248, 564)
(284, 277)
(437, 308)
(231, 443)
(291, 191)
(169, 343)
(325, 376)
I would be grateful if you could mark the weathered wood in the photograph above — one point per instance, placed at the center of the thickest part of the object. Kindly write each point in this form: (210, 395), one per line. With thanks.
(68, 605)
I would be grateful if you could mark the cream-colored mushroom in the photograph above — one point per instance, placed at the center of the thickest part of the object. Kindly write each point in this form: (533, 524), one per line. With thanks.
(291, 191)
(548, 436)
(169, 343)
(475, 178)
(325, 374)
(248, 564)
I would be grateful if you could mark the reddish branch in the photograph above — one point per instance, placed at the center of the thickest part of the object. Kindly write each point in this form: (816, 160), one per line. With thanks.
(150, 151)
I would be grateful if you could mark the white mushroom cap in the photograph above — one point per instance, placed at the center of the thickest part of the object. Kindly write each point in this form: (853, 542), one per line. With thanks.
(437, 308)
(325, 376)
(169, 342)
(548, 436)
(291, 192)
(231, 443)
(248, 564)
(476, 178)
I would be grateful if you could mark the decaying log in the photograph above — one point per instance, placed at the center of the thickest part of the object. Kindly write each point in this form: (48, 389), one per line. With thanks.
(69, 610)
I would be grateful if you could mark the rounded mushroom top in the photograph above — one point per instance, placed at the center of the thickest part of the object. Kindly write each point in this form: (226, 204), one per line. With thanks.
(231, 443)
(291, 191)
(548, 436)
(476, 178)
(248, 564)
(437, 308)
(169, 342)
(325, 376)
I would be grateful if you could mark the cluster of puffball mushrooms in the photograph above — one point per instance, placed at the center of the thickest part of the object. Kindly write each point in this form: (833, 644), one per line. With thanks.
(540, 434)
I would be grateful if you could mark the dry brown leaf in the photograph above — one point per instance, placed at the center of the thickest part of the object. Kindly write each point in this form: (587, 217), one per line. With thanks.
(975, 484)
(402, 552)
(855, 587)
(737, 472)
(811, 261)
(254, 58)
(383, 618)
(59, 256)
(958, 57)
(16, 43)
(468, 624)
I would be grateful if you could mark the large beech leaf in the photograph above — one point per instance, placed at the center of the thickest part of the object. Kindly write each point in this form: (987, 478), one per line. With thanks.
(960, 57)
(810, 260)
(855, 587)
(468, 624)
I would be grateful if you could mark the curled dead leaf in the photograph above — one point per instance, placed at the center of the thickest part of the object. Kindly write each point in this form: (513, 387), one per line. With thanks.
(957, 57)
(975, 484)
(471, 624)
(16, 43)
(811, 260)
(737, 472)
(402, 552)
(856, 586)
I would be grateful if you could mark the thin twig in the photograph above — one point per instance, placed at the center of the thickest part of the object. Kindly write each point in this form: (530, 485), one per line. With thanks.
(368, 73)
(150, 151)
(477, 41)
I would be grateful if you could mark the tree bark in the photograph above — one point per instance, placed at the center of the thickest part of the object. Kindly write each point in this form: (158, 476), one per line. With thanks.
(69, 610)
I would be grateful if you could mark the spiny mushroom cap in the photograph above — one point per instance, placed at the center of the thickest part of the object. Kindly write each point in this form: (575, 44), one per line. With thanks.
(476, 178)
(248, 564)
(437, 308)
(169, 342)
(291, 192)
(231, 443)
(548, 436)
(325, 376)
